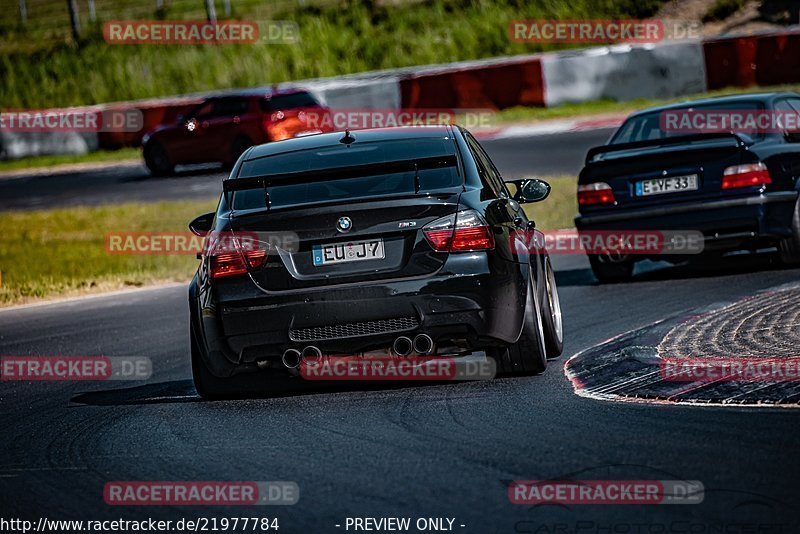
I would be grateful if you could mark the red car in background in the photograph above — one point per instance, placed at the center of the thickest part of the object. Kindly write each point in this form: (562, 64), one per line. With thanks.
(222, 127)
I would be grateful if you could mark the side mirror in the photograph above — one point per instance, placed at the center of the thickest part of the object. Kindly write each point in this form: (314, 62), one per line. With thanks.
(202, 224)
(532, 190)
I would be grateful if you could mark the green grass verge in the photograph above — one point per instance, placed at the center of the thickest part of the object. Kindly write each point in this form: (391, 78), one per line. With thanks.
(92, 157)
(62, 252)
(44, 69)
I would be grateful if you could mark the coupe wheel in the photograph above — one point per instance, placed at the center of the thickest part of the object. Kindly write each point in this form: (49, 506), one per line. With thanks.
(609, 271)
(157, 159)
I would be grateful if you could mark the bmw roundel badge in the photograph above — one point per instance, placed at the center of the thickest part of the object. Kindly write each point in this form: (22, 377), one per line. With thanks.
(344, 224)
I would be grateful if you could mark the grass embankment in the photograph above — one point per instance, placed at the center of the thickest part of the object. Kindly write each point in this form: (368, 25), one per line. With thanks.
(60, 252)
(336, 37)
(63, 252)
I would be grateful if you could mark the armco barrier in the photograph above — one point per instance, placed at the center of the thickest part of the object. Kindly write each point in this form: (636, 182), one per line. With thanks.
(624, 72)
(499, 84)
(770, 59)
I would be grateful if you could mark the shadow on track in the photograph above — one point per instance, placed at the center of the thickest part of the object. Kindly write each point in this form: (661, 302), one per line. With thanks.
(703, 267)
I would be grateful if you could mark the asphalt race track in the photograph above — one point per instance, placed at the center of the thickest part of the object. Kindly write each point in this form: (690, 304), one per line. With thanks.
(429, 451)
(542, 155)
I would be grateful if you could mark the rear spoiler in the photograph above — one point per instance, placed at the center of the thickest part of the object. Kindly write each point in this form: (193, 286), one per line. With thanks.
(321, 175)
(740, 139)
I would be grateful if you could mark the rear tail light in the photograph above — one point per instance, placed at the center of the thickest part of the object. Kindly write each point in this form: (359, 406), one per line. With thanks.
(595, 194)
(465, 231)
(230, 258)
(745, 176)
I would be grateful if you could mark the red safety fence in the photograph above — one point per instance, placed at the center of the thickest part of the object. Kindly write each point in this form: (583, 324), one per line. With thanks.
(772, 59)
(495, 86)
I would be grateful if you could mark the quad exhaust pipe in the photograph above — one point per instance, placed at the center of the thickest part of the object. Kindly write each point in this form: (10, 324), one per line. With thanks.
(423, 344)
(312, 353)
(403, 346)
(292, 358)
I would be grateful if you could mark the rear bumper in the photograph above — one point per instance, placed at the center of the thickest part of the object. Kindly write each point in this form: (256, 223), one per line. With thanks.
(470, 298)
(726, 224)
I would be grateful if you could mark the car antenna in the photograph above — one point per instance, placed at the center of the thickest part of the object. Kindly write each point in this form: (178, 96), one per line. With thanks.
(416, 177)
(348, 138)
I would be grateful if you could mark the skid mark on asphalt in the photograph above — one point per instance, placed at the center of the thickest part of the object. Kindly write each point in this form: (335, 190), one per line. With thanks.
(759, 326)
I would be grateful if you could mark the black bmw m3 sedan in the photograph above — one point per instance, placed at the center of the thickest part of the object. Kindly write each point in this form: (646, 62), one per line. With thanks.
(403, 240)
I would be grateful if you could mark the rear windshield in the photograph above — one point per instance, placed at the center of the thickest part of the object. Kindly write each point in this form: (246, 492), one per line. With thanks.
(281, 102)
(647, 127)
(306, 189)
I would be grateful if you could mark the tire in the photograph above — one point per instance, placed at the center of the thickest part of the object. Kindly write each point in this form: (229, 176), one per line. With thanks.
(528, 356)
(211, 387)
(610, 271)
(551, 313)
(789, 247)
(157, 159)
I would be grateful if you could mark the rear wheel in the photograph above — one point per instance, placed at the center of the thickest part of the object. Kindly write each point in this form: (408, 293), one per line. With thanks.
(551, 314)
(157, 159)
(609, 271)
(211, 387)
(789, 247)
(528, 355)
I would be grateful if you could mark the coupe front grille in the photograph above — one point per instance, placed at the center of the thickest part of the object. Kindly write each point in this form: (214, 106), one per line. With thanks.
(346, 330)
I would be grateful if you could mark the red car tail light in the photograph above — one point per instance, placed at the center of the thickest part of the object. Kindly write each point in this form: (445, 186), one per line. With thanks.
(466, 231)
(231, 260)
(595, 194)
(745, 176)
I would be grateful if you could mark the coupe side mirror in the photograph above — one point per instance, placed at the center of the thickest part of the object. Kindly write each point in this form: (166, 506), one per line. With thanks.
(531, 190)
(202, 224)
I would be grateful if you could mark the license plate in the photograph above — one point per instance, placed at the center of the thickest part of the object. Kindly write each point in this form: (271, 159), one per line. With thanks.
(668, 184)
(370, 249)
